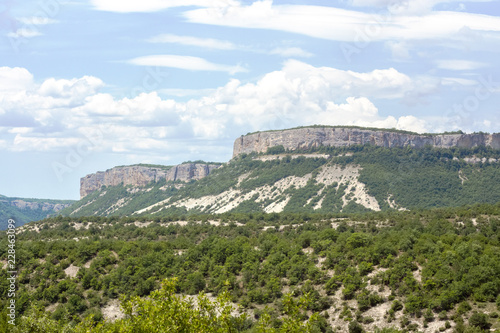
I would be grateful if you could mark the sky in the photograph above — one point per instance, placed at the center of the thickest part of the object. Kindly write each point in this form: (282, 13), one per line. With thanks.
(86, 85)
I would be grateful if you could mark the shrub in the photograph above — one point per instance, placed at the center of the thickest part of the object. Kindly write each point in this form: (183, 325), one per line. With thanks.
(480, 320)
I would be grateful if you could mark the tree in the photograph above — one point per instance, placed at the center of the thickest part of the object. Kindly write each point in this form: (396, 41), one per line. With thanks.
(163, 311)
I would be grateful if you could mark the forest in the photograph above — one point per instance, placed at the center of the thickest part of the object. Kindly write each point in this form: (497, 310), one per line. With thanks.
(408, 271)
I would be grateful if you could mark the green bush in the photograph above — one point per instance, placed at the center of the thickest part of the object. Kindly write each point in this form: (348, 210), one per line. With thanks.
(479, 320)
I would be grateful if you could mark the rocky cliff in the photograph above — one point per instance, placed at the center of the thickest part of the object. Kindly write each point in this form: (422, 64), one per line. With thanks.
(311, 137)
(138, 175)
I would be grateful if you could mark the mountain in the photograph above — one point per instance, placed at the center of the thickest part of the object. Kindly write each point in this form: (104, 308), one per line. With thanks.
(24, 210)
(310, 169)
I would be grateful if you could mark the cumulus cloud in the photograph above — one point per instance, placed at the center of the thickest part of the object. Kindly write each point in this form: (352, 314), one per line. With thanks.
(300, 94)
(61, 113)
(15, 79)
(74, 88)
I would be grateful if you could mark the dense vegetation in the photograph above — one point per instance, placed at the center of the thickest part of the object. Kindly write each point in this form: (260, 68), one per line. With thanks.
(417, 268)
(391, 130)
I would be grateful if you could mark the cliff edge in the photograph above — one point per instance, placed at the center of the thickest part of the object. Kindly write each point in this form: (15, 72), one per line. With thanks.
(139, 175)
(316, 136)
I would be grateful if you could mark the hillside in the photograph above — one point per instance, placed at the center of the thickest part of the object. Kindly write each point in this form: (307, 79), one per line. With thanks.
(24, 210)
(393, 272)
(323, 179)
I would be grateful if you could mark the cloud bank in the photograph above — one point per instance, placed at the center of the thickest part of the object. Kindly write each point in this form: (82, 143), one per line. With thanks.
(56, 114)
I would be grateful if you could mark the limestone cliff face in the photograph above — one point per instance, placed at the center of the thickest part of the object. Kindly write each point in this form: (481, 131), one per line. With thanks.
(310, 137)
(138, 175)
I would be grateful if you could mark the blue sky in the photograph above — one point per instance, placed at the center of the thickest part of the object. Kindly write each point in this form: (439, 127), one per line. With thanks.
(88, 85)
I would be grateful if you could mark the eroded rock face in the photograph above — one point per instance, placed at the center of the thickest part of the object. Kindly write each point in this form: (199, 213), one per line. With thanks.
(311, 137)
(142, 175)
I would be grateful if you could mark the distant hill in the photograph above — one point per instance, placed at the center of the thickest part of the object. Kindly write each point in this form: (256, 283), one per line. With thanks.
(24, 210)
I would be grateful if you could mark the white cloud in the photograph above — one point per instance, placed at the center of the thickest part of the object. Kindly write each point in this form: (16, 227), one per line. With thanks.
(299, 94)
(74, 88)
(143, 110)
(459, 65)
(24, 33)
(184, 62)
(407, 6)
(127, 6)
(343, 25)
(289, 52)
(179, 92)
(217, 44)
(36, 20)
(15, 79)
(400, 6)
(451, 81)
(412, 123)
(209, 43)
(40, 144)
(21, 130)
(399, 50)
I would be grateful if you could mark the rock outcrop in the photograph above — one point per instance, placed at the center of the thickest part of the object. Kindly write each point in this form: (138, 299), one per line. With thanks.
(138, 175)
(311, 137)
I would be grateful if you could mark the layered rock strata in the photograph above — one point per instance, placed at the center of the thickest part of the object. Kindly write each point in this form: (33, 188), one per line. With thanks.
(311, 137)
